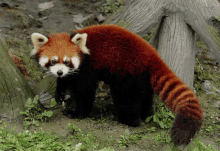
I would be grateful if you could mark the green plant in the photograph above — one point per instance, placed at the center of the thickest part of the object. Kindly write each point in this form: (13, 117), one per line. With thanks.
(32, 141)
(162, 137)
(163, 117)
(111, 7)
(25, 21)
(209, 129)
(152, 129)
(88, 140)
(127, 139)
(107, 149)
(33, 113)
(123, 141)
(37, 140)
(73, 129)
(201, 146)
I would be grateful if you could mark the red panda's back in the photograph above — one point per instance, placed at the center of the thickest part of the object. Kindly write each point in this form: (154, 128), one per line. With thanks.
(117, 48)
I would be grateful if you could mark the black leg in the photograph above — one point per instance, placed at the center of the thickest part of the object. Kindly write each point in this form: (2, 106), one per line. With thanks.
(60, 90)
(132, 98)
(83, 102)
(83, 89)
(147, 104)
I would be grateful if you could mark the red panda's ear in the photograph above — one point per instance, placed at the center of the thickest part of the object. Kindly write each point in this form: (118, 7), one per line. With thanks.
(38, 40)
(80, 41)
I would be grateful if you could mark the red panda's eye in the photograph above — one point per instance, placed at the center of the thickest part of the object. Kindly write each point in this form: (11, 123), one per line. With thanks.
(53, 62)
(66, 62)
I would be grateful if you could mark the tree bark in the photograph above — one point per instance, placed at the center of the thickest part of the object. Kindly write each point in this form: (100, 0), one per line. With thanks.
(176, 45)
(14, 90)
(176, 22)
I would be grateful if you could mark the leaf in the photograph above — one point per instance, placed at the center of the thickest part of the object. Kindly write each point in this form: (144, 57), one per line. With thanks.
(171, 114)
(161, 124)
(47, 113)
(155, 118)
(35, 101)
(23, 112)
(28, 103)
(148, 119)
(53, 102)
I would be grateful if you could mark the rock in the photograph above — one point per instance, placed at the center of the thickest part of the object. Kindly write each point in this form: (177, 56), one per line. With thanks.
(211, 92)
(194, 90)
(97, 3)
(45, 99)
(207, 86)
(38, 24)
(46, 5)
(100, 18)
(217, 91)
(8, 3)
(217, 104)
(43, 18)
(80, 19)
(211, 59)
(31, 16)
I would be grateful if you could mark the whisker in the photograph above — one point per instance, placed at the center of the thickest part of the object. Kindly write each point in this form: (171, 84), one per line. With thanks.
(77, 69)
(50, 74)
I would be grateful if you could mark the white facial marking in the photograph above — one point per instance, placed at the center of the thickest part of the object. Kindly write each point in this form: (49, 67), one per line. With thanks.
(55, 58)
(59, 67)
(65, 58)
(80, 40)
(75, 61)
(43, 60)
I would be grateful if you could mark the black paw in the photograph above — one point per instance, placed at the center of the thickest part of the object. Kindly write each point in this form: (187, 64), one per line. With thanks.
(60, 90)
(59, 97)
(183, 129)
(70, 113)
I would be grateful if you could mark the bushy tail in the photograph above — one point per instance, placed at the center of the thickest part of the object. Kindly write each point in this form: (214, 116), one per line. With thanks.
(180, 98)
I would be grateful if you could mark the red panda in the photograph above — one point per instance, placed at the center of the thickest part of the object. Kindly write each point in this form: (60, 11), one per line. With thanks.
(133, 69)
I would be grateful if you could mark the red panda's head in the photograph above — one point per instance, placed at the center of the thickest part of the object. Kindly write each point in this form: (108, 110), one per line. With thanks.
(60, 54)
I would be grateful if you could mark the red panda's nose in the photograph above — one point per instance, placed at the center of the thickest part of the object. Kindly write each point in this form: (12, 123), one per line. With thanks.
(59, 72)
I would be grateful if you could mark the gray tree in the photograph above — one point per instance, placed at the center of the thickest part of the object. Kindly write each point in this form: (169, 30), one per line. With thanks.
(175, 22)
(14, 90)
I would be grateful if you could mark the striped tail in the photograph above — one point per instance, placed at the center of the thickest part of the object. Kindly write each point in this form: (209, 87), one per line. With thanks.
(180, 98)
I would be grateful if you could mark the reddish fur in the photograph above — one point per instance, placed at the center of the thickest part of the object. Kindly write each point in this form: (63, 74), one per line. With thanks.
(106, 52)
(19, 64)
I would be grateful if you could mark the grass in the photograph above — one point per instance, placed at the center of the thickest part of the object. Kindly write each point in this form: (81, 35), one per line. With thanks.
(111, 7)
(29, 141)
(95, 134)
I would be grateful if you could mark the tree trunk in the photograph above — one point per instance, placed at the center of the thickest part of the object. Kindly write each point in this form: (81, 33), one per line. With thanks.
(176, 22)
(176, 46)
(14, 90)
